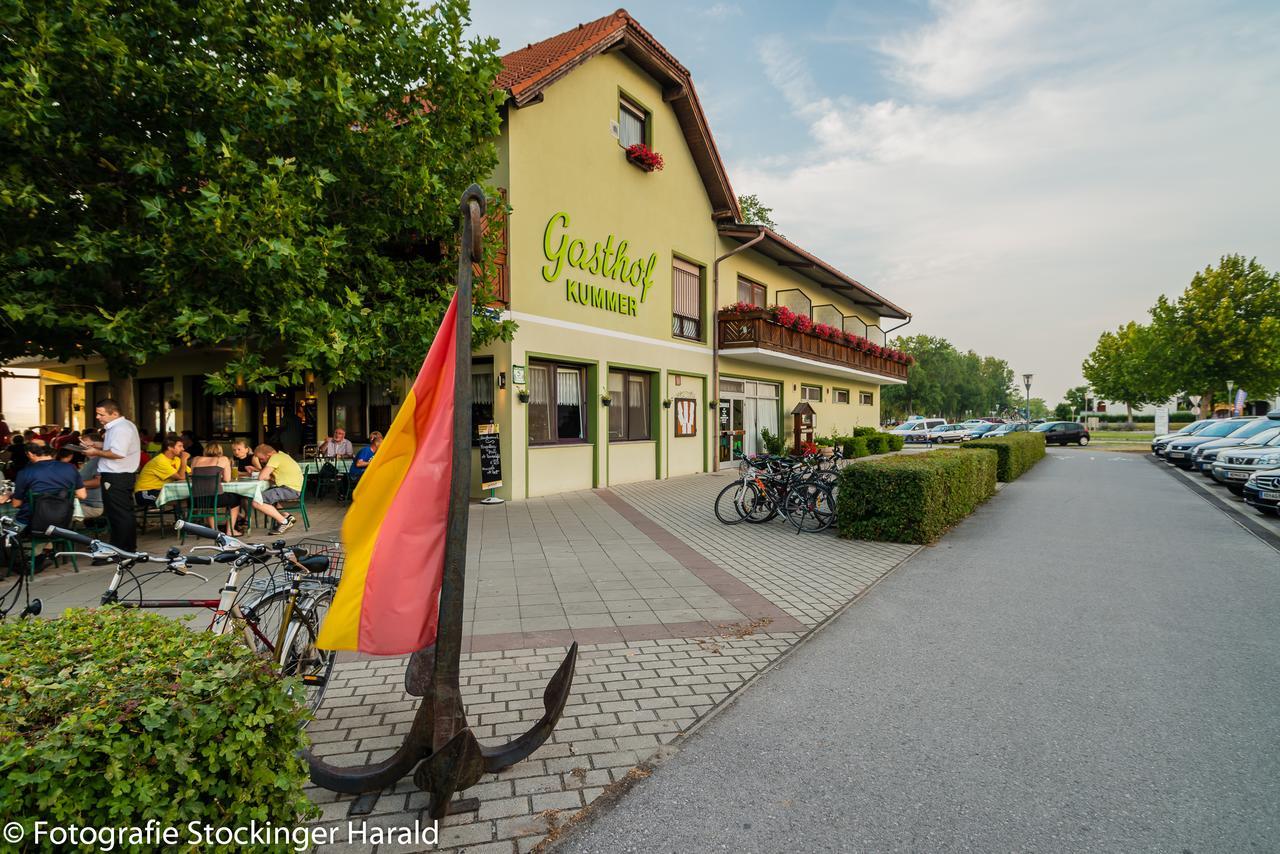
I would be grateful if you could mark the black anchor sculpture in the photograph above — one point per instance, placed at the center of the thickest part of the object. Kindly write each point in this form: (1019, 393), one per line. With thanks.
(440, 744)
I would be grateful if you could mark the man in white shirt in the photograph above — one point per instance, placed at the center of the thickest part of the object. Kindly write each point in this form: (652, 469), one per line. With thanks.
(118, 457)
(337, 445)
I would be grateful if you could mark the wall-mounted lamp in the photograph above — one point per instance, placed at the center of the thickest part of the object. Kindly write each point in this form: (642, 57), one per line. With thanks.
(502, 379)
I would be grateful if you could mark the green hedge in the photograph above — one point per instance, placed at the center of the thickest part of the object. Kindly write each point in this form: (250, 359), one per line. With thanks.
(895, 441)
(1180, 417)
(915, 498)
(116, 716)
(1018, 452)
(877, 443)
(865, 431)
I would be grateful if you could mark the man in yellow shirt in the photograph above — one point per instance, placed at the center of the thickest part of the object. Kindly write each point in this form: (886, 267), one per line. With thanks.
(281, 468)
(165, 467)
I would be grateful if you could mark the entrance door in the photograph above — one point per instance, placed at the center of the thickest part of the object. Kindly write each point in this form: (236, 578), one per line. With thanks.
(746, 408)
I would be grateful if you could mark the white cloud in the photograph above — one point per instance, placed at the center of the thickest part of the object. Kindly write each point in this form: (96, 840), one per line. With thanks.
(1046, 171)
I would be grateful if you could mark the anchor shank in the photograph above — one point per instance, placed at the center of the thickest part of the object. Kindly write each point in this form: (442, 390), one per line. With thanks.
(449, 714)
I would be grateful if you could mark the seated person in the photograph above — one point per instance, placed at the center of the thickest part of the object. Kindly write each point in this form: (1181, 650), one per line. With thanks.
(245, 461)
(213, 459)
(91, 501)
(43, 474)
(168, 466)
(337, 445)
(286, 474)
(363, 457)
(191, 443)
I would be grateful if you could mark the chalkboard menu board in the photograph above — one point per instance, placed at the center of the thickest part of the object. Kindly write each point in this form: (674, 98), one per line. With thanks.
(490, 457)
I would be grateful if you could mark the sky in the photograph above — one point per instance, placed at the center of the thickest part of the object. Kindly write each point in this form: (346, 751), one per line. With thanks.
(1021, 176)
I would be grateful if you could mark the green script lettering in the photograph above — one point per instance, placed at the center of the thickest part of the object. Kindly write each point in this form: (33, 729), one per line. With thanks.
(551, 273)
(608, 259)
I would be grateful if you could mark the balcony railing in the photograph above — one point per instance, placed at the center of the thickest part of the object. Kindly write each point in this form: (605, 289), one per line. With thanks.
(756, 330)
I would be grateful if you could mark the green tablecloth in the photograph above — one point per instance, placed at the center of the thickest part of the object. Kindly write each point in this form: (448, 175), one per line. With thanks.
(251, 489)
(312, 467)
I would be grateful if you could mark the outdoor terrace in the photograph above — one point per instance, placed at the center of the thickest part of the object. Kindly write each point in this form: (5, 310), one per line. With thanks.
(755, 336)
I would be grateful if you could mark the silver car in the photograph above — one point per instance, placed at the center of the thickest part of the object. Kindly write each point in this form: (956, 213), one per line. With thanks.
(1234, 466)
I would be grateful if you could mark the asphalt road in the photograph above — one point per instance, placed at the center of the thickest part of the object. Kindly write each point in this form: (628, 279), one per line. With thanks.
(1089, 663)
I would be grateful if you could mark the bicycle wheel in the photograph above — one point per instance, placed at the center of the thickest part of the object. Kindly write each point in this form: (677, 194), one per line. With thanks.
(809, 507)
(300, 658)
(758, 504)
(264, 617)
(729, 503)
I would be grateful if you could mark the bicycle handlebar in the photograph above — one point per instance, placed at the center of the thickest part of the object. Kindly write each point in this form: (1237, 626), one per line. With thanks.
(97, 548)
(73, 536)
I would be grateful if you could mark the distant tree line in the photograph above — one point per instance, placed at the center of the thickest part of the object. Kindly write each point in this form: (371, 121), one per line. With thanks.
(947, 383)
(1224, 327)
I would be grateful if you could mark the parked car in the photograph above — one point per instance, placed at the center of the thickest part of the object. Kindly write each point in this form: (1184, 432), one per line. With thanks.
(1235, 466)
(1007, 428)
(1062, 432)
(1159, 443)
(980, 430)
(1262, 491)
(1178, 453)
(949, 433)
(1259, 432)
(918, 430)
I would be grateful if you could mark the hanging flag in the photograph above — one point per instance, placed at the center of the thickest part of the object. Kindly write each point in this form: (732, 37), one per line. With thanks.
(388, 602)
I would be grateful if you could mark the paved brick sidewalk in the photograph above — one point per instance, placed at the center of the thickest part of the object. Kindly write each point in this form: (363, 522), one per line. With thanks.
(755, 591)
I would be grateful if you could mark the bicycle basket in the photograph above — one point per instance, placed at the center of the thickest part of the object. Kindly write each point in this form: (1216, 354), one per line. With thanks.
(329, 548)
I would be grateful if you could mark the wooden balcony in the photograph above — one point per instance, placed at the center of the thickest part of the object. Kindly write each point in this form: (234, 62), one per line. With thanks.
(754, 336)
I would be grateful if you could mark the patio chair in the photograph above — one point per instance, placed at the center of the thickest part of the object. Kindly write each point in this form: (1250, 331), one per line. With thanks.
(205, 484)
(50, 508)
(144, 515)
(300, 504)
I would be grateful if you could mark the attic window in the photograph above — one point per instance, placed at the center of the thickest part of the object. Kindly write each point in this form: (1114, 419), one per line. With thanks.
(633, 123)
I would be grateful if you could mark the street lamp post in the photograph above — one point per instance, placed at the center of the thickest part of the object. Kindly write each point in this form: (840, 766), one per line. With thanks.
(1026, 382)
(1231, 386)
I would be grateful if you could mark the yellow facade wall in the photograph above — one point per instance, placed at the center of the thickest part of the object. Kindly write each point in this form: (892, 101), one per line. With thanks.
(631, 461)
(559, 468)
(830, 417)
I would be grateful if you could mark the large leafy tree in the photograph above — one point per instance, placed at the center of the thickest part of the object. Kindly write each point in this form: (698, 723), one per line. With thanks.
(1078, 398)
(277, 179)
(1225, 326)
(1128, 365)
(946, 382)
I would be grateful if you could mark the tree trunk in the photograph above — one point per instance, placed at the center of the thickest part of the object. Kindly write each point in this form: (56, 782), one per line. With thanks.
(122, 394)
(1128, 420)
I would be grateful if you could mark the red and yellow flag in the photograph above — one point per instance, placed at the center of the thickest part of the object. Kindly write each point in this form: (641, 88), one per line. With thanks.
(388, 602)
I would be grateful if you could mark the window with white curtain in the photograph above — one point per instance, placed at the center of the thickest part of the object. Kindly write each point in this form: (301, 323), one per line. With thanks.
(629, 406)
(557, 403)
(481, 396)
(631, 123)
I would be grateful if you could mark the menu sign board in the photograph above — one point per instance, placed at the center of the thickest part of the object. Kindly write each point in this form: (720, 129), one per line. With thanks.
(490, 457)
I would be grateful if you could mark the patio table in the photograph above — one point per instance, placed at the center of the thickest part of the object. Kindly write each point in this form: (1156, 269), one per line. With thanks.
(312, 467)
(245, 487)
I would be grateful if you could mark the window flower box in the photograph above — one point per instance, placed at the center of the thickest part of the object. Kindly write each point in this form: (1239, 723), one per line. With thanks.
(644, 157)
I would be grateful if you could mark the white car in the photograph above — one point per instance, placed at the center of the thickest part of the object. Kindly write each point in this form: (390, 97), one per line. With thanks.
(949, 433)
(919, 430)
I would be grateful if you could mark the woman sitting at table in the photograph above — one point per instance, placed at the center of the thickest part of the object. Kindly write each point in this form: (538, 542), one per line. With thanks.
(211, 462)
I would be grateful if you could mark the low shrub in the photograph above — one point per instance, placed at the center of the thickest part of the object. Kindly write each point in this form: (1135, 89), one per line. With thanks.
(865, 431)
(856, 446)
(773, 443)
(895, 441)
(915, 498)
(877, 443)
(1018, 452)
(115, 716)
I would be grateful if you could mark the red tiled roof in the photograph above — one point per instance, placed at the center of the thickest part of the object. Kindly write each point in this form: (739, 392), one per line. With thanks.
(529, 71)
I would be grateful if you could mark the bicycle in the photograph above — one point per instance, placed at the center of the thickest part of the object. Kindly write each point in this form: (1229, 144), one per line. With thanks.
(10, 531)
(802, 489)
(280, 623)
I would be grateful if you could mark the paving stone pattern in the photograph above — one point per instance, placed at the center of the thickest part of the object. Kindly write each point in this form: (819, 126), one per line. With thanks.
(809, 576)
(628, 702)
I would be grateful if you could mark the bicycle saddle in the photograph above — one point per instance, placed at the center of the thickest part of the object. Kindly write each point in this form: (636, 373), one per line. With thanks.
(315, 563)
